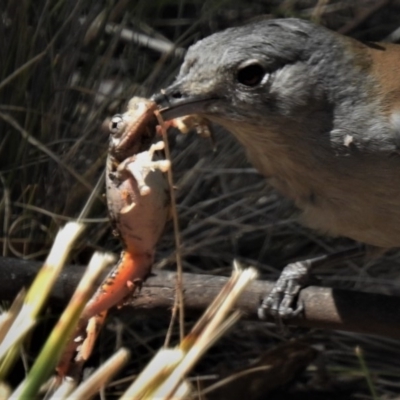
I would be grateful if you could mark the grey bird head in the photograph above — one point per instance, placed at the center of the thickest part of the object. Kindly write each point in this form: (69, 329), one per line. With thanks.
(268, 69)
(316, 113)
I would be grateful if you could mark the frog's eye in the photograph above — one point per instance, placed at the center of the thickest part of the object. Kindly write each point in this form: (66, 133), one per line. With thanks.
(117, 124)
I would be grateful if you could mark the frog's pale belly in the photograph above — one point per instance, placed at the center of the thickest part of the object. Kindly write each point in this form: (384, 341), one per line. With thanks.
(139, 219)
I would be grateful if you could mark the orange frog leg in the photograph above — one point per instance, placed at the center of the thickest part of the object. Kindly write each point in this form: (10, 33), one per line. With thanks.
(127, 275)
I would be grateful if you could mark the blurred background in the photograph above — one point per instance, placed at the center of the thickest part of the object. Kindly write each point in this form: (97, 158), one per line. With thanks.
(66, 67)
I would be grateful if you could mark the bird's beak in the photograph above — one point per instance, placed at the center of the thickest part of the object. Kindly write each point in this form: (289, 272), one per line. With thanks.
(174, 103)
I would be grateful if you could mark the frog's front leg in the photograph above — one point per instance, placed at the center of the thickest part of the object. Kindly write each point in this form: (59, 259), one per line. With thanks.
(141, 164)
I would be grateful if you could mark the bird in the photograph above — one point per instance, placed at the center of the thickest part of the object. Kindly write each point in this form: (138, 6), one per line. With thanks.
(319, 116)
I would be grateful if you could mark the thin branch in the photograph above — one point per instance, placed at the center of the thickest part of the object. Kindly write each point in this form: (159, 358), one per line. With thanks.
(177, 234)
(43, 148)
(142, 39)
(324, 308)
(363, 16)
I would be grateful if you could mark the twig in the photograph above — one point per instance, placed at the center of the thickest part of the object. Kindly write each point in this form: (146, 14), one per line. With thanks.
(319, 10)
(141, 39)
(177, 234)
(43, 148)
(362, 16)
(323, 307)
(39, 56)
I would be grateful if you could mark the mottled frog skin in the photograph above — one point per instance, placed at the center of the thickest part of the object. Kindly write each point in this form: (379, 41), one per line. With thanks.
(137, 199)
(138, 204)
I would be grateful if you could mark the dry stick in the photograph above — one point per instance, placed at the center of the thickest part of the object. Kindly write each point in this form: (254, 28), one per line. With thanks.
(175, 308)
(324, 308)
(44, 149)
(39, 56)
(177, 236)
(60, 217)
(92, 197)
(7, 213)
(129, 35)
(362, 16)
(318, 10)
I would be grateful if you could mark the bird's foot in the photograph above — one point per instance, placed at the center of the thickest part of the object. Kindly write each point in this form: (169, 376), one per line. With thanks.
(281, 301)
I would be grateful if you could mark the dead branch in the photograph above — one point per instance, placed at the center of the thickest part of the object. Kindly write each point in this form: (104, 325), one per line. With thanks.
(324, 308)
(362, 16)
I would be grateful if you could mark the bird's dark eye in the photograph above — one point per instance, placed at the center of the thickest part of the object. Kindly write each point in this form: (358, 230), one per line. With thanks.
(250, 73)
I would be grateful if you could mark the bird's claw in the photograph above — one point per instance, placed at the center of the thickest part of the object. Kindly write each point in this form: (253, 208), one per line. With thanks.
(280, 302)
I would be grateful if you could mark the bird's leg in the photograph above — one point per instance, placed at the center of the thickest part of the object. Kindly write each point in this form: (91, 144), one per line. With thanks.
(281, 301)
